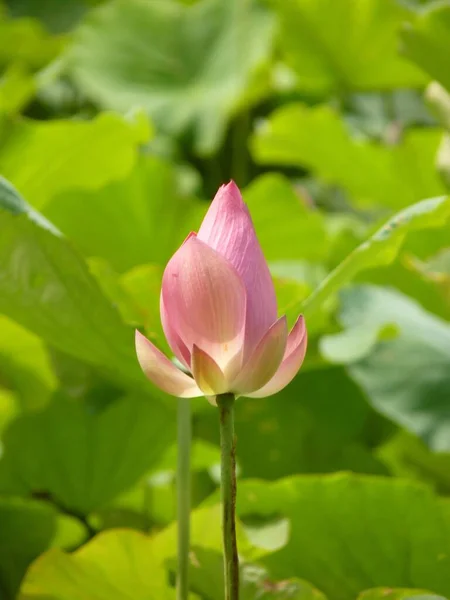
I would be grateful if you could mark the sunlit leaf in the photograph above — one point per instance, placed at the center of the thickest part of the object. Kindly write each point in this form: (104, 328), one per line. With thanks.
(43, 159)
(349, 533)
(46, 287)
(135, 571)
(318, 139)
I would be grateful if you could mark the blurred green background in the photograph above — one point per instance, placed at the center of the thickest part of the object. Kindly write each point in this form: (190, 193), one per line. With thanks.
(118, 122)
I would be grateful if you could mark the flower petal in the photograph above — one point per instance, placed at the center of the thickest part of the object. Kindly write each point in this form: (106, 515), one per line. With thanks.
(205, 300)
(291, 363)
(176, 344)
(207, 373)
(162, 372)
(228, 228)
(264, 361)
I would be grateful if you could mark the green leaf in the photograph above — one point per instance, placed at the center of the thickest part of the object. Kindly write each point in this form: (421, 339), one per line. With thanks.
(339, 46)
(398, 594)
(145, 211)
(206, 577)
(349, 533)
(318, 139)
(322, 410)
(44, 159)
(115, 564)
(408, 456)
(426, 40)
(25, 365)
(46, 287)
(24, 41)
(189, 82)
(286, 226)
(28, 528)
(380, 249)
(81, 458)
(407, 377)
(16, 90)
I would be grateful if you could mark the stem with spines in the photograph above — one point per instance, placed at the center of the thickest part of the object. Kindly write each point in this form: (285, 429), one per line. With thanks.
(183, 495)
(225, 403)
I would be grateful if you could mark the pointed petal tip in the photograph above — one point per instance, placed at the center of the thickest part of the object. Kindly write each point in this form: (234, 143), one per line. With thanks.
(231, 192)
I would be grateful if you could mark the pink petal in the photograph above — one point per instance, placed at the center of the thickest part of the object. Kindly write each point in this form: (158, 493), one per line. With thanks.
(176, 344)
(163, 373)
(291, 363)
(207, 373)
(264, 361)
(205, 302)
(228, 228)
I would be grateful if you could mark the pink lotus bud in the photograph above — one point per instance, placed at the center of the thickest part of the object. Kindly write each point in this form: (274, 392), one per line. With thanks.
(219, 313)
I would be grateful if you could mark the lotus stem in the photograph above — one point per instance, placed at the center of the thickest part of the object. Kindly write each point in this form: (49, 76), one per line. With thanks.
(225, 402)
(183, 495)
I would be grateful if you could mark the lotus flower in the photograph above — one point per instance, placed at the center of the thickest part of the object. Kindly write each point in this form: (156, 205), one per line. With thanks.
(219, 313)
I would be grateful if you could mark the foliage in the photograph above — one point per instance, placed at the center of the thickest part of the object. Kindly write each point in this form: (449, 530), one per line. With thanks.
(119, 119)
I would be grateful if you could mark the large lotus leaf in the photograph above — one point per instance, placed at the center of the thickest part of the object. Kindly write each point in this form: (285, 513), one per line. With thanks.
(408, 456)
(189, 66)
(255, 582)
(119, 564)
(318, 139)
(345, 45)
(44, 158)
(406, 377)
(145, 211)
(349, 533)
(46, 287)
(426, 41)
(82, 458)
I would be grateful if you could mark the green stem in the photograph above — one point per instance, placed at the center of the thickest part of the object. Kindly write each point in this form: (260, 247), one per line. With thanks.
(183, 495)
(225, 402)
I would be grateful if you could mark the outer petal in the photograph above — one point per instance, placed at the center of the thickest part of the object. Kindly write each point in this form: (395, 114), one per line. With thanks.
(291, 363)
(205, 300)
(264, 361)
(177, 345)
(207, 373)
(228, 228)
(162, 372)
